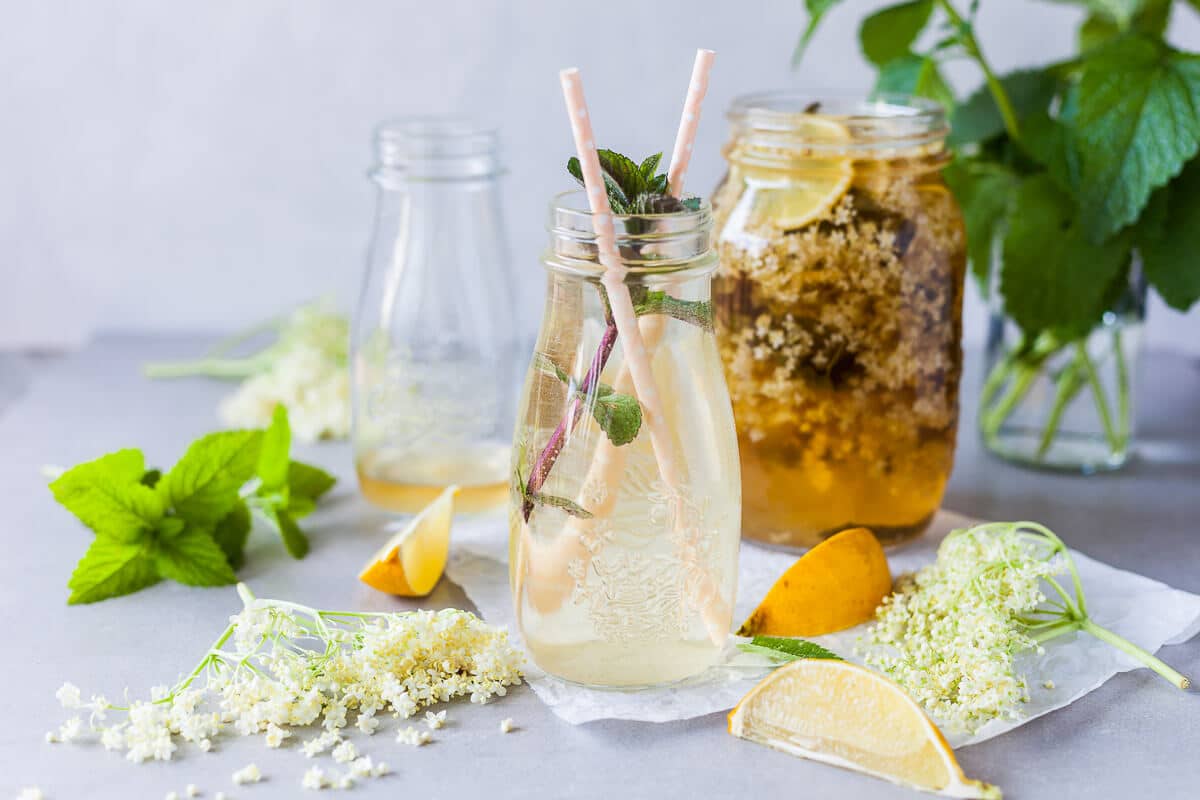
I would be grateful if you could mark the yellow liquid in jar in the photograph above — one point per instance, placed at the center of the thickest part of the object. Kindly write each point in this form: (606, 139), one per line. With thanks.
(408, 482)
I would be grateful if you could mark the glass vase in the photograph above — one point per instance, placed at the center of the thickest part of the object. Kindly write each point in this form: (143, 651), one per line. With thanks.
(1061, 402)
(624, 541)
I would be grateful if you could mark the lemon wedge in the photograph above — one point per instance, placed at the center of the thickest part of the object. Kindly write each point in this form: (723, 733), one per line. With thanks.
(412, 561)
(843, 714)
(794, 196)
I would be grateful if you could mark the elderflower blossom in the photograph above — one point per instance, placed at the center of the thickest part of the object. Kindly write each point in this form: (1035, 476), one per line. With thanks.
(506, 725)
(435, 720)
(192, 790)
(247, 774)
(314, 779)
(314, 388)
(68, 695)
(31, 793)
(947, 635)
(281, 665)
(413, 736)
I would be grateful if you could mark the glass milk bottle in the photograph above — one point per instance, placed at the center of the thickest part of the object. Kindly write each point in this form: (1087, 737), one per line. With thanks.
(618, 578)
(436, 355)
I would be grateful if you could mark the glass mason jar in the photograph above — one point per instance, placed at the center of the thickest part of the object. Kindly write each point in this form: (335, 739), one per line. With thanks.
(839, 314)
(618, 578)
(1064, 402)
(436, 351)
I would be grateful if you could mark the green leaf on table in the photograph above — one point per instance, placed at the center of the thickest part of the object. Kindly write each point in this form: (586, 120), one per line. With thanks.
(108, 496)
(1138, 122)
(231, 534)
(693, 312)
(293, 538)
(984, 191)
(978, 118)
(1052, 276)
(787, 649)
(816, 11)
(203, 486)
(917, 75)
(273, 462)
(193, 558)
(305, 480)
(1169, 244)
(889, 33)
(111, 568)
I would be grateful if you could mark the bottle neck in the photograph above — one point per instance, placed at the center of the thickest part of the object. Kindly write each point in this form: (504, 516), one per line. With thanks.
(435, 149)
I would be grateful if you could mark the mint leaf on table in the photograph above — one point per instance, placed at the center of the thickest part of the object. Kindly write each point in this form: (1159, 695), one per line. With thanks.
(889, 33)
(232, 532)
(917, 75)
(305, 480)
(787, 649)
(1052, 276)
(1169, 248)
(984, 192)
(107, 495)
(293, 538)
(203, 486)
(193, 558)
(1138, 122)
(111, 568)
(978, 118)
(272, 467)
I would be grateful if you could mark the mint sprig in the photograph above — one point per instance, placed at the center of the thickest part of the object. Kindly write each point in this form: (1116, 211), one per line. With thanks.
(784, 648)
(634, 188)
(190, 524)
(618, 415)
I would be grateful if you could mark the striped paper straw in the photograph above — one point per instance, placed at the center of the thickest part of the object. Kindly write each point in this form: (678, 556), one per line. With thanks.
(685, 138)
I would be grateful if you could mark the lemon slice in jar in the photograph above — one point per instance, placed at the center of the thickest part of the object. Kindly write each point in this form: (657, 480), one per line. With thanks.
(793, 196)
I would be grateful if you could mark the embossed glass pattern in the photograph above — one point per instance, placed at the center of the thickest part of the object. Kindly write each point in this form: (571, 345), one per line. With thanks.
(618, 578)
(436, 353)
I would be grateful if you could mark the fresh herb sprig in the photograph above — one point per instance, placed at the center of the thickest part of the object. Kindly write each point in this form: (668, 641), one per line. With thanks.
(190, 524)
(1072, 166)
(634, 188)
(782, 648)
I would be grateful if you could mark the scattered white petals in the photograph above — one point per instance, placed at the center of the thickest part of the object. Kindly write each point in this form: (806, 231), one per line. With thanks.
(276, 735)
(71, 729)
(205, 744)
(314, 779)
(362, 767)
(345, 752)
(367, 725)
(247, 774)
(31, 793)
(52, 738)
(345, 782)
(112, 738)
(68, 695)
(1048, 684)
(435, 720)
(219, 796)
(172, 796)
(381, 769)
(192, 790)
(506, 725)
(412, 736)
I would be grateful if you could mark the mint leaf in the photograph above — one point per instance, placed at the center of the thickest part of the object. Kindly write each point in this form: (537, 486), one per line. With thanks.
(151, 477)
(694, 312)
(231, 534)
(1120, 12)
(107, 495)
(787, 649)
(619, 416)
(914, 75)
(816, 11)
(193, 558)
(649, 165)
(888, 34)
(203, 486)
(984, 191)
(1052, 276)
(1049, 142)
(305, 480)
(1138, 122)
(569, 506)
(109, 569)
(1169, 249)
(293, 538)
(978, 118)
(273, 455)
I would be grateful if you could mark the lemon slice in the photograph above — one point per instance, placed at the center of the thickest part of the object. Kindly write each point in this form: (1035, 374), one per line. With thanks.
(413, 560)
(790, 198)
(843, 714)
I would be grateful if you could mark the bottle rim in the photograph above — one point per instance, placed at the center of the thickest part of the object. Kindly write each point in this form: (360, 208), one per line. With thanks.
(850, 124)
(433, 146)
(647, 243)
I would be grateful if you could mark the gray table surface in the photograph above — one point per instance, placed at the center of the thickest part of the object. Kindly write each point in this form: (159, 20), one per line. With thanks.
(1135, 736)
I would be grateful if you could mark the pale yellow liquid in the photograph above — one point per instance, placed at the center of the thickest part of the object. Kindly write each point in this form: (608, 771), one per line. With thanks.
(410, 481)
(612, 601)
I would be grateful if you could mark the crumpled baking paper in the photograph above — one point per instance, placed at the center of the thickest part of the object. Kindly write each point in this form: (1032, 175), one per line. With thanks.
(1146, 612)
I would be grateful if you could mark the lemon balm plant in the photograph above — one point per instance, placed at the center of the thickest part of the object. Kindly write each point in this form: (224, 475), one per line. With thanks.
(1080, 184)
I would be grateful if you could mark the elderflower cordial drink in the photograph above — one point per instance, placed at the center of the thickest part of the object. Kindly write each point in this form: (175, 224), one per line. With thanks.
(620, 579)
(436, 345)
(839, 314)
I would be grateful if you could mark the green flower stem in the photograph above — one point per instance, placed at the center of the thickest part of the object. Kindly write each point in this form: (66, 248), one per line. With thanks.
(1025, 374)
(1123, 411)
(971, 44)
(1068, 384)
(1123, 644)
(1093, 377)
(210, 367)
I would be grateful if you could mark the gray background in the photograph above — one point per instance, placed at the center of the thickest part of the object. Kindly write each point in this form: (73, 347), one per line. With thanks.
(201, 165)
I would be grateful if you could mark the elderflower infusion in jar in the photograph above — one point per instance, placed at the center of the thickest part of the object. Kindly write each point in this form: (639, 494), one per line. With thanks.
(620, 578)
(839, 314)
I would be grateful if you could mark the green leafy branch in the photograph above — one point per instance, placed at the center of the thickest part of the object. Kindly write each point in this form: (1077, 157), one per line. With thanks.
(190, 524)
(634, 188)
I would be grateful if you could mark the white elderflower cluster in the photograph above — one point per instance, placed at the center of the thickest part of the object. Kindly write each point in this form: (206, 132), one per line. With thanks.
(435, 720)
(247, 774)
(314, 388)
(413, 736)
(949, 633)
(281, 665)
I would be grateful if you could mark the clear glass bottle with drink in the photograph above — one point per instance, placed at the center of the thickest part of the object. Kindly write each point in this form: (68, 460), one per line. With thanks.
(839, 312)
(618, 578)
(436, 350)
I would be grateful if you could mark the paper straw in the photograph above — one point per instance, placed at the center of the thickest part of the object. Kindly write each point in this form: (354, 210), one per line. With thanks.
(685, 137)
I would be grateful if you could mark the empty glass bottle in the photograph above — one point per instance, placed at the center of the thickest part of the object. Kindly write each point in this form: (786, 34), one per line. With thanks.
(436, 353)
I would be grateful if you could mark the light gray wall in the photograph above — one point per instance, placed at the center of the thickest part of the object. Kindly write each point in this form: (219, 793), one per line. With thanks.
(200, 164)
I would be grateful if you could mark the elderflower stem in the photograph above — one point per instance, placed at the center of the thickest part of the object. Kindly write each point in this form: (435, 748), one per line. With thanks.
(1126, 646)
